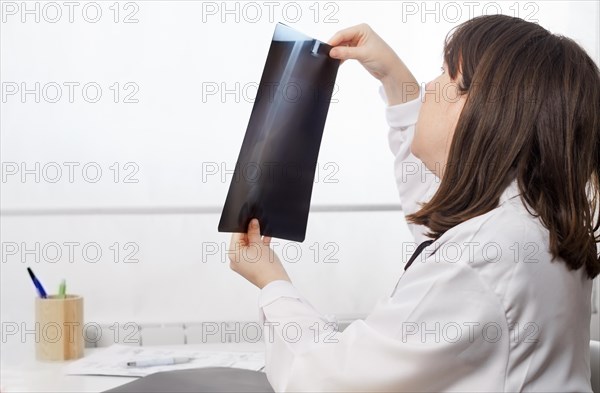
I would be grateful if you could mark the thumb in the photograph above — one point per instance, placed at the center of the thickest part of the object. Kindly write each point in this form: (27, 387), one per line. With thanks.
(346, 52)
(253, 231)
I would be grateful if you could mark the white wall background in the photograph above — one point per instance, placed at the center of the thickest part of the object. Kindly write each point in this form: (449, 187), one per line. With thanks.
(175, 135)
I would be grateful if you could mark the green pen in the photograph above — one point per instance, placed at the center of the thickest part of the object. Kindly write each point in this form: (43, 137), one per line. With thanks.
(62, 289)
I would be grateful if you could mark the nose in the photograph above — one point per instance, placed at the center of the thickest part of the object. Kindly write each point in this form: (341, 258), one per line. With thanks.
(429, 90)
(428, 85)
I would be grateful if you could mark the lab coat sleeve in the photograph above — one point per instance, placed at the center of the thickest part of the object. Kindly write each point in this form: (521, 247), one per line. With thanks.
(428, 337)
(416, 184)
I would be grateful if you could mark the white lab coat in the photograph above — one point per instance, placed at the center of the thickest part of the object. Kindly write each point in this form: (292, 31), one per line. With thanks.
(488, 311)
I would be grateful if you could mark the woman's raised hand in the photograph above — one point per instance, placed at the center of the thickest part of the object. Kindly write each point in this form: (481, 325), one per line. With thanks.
(361, 43)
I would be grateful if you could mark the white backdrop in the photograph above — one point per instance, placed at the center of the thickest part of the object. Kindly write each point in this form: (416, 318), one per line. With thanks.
(121, 123)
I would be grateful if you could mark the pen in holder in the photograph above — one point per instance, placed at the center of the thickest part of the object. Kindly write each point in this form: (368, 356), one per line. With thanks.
(59, 327)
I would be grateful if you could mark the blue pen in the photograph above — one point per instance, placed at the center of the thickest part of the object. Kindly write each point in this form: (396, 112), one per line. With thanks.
(38, 285)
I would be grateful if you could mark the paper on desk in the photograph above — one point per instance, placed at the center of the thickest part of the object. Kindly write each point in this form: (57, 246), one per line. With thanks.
(113, 360)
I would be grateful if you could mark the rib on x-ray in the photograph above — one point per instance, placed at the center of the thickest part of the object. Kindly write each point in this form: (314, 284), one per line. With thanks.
(274, 174)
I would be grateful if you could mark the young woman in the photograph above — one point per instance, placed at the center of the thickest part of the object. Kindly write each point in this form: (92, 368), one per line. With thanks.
(500, 300)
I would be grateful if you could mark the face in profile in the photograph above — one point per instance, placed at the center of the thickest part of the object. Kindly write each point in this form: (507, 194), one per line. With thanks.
(442, 105)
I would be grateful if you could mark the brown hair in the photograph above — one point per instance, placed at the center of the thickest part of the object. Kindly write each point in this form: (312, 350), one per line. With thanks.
(531, 114)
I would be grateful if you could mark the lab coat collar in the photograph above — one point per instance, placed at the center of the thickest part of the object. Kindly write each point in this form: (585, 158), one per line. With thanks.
(512, 191)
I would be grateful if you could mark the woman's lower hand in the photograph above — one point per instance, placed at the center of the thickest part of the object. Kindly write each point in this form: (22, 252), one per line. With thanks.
(251, 257)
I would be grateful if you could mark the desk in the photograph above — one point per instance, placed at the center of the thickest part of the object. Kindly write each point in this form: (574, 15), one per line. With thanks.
(30, 375)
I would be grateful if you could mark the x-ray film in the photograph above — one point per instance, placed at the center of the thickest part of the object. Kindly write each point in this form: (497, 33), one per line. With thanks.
(274, 174)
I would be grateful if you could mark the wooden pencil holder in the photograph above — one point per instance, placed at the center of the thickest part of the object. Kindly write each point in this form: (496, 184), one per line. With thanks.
(59, 328)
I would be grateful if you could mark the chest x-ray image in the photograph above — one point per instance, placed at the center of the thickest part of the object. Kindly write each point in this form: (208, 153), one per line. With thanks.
(274, 174)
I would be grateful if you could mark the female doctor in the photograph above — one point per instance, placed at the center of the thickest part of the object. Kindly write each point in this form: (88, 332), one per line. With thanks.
(511, 130)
